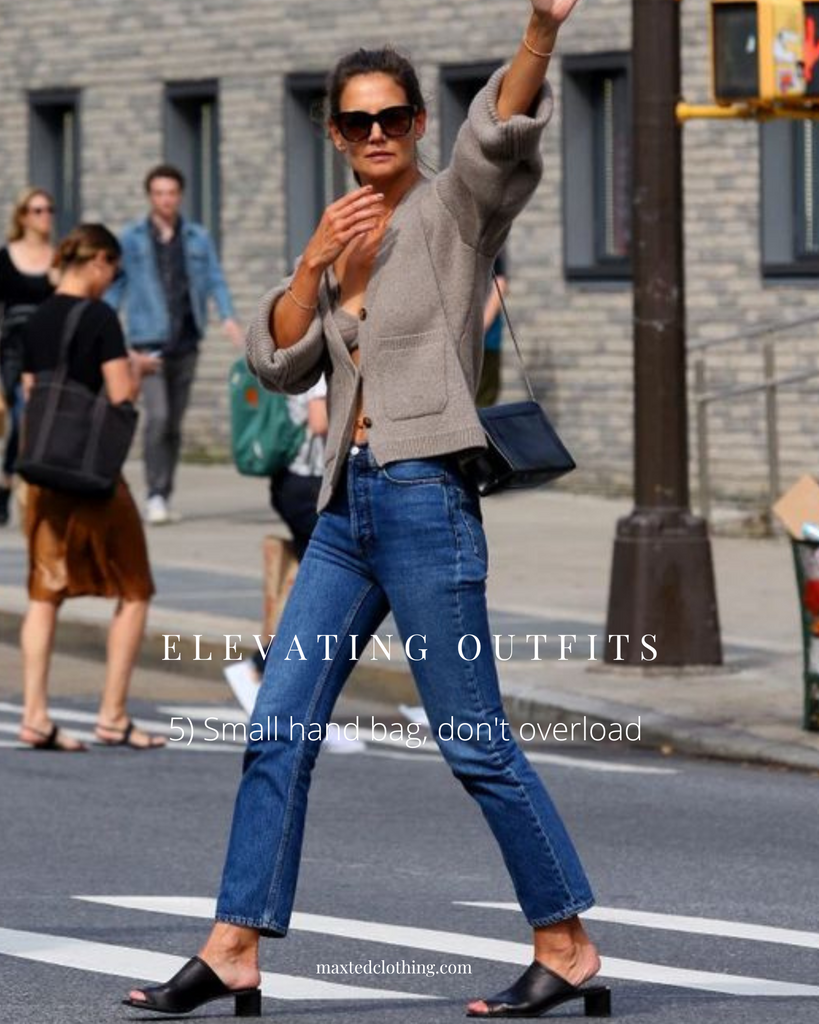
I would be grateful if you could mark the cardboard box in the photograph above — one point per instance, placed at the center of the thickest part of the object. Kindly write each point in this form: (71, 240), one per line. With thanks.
(799, 505)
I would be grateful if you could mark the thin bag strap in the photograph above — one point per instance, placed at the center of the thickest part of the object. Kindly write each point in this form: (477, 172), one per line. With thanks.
(50, 412)
(514, 339)
(528, 383)
(72, 322)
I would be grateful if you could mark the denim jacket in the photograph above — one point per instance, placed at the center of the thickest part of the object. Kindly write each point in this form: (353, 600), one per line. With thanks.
(140, 289)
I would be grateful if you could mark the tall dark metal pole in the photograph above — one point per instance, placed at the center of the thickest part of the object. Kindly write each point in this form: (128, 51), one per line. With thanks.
(662, 579)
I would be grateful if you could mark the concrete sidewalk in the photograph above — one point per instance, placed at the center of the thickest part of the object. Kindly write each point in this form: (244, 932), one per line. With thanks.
(550, 556)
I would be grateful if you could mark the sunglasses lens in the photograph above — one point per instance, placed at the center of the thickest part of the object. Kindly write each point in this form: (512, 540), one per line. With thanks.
(396, 121)
(354, 125)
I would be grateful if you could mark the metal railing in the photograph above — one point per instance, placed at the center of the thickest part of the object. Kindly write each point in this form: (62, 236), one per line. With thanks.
(770, 386)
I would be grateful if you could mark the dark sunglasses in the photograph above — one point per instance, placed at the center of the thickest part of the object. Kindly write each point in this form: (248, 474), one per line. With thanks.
(356, 125)
(40, 209)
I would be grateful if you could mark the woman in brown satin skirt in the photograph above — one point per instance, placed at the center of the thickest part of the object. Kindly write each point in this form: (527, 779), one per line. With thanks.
(81, 546)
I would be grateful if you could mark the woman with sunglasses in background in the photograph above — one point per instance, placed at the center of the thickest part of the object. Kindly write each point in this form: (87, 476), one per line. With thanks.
(389, 296)
(25, 282)
(78, 545)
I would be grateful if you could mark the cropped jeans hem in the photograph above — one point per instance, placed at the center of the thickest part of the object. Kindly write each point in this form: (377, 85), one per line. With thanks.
(269, 929)
(573, 910)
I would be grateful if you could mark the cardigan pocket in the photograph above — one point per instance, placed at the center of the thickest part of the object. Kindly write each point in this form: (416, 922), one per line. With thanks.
(411, 372)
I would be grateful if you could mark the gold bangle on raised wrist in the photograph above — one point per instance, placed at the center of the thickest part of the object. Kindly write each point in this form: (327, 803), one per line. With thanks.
(533, 51)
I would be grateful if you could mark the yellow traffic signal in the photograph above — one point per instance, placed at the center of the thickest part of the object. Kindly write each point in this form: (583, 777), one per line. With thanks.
(758, 50)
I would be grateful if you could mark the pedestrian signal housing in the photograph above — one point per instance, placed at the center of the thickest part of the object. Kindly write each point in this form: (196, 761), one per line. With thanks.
(759, 50)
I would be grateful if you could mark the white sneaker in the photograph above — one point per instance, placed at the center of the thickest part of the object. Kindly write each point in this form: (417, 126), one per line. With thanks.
(414, 713)
(336, 741)
(243, 679)
(156, 511)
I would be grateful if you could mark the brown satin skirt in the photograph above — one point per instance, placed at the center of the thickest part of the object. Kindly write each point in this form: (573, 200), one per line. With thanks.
(80, 547)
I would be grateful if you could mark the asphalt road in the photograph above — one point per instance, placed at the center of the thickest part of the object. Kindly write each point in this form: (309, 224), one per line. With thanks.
(705, 876)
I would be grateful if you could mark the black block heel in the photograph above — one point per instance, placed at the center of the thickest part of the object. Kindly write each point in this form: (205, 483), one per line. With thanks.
(539, 990)
(193, 986)
(249, 1004)
(597, 1001)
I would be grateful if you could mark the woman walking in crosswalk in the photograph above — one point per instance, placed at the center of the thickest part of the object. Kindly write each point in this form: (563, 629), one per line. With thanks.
(389, 294)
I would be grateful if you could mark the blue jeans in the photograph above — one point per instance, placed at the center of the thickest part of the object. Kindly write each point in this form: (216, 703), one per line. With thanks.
(408, 537)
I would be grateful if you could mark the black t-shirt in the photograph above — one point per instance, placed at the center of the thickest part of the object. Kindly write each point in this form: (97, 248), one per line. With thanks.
(97, 340)
(19, 293)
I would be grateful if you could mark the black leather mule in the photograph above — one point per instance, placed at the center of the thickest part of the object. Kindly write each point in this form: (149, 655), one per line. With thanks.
(539, 990)
(191, 987)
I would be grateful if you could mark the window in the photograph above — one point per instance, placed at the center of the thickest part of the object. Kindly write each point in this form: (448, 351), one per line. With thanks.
(806, 189)
(790, 198)
(192, 144)
(459, 83)
(316, 174)
(597, 166)
(54, 145)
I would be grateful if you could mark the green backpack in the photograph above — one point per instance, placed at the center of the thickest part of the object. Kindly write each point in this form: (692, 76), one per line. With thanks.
(264, 439)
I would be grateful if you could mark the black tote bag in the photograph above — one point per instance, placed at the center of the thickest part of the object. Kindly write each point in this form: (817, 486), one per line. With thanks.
(73, 439)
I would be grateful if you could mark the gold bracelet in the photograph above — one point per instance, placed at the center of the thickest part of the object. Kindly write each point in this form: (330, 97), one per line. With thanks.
(534, 52)
(301, 305)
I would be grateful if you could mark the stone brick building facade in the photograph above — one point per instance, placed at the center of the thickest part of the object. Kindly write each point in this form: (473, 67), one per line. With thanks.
(144, 81)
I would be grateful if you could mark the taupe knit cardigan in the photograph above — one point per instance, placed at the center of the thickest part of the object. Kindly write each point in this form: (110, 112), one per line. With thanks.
(421, 339)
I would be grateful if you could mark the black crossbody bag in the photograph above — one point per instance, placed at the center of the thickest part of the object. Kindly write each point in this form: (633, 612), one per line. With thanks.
(523, 448)
(73, 439)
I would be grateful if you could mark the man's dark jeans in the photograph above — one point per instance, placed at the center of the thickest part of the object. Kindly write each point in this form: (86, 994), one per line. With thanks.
(165, 398)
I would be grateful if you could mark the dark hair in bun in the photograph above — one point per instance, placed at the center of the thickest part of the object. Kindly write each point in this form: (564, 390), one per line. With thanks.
(83, 243)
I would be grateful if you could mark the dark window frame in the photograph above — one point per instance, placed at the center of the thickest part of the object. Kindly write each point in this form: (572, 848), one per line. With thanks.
(455, 81)
(43, 105)
(584, 226)
(780, 201)
(306, 177)
(203, 193)
(802, 252)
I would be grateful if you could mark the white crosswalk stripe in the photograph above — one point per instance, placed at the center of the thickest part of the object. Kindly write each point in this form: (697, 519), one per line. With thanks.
(145, 965)
(680, 923)
(472, 946)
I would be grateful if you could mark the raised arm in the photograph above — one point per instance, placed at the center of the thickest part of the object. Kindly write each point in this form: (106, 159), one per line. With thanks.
(524, 79)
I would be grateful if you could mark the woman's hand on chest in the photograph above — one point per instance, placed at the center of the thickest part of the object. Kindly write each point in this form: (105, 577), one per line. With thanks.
(344, 221)
(354, 266)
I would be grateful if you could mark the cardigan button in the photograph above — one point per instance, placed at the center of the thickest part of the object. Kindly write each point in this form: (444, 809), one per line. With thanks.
(362, 313)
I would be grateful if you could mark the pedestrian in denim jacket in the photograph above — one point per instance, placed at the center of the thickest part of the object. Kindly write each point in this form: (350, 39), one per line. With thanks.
(387, 301)
(169, 271)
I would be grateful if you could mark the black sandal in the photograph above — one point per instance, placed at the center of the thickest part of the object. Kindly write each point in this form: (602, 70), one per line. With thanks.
(539, 990)
(191, 987)
(124, 737)
(51, 741)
